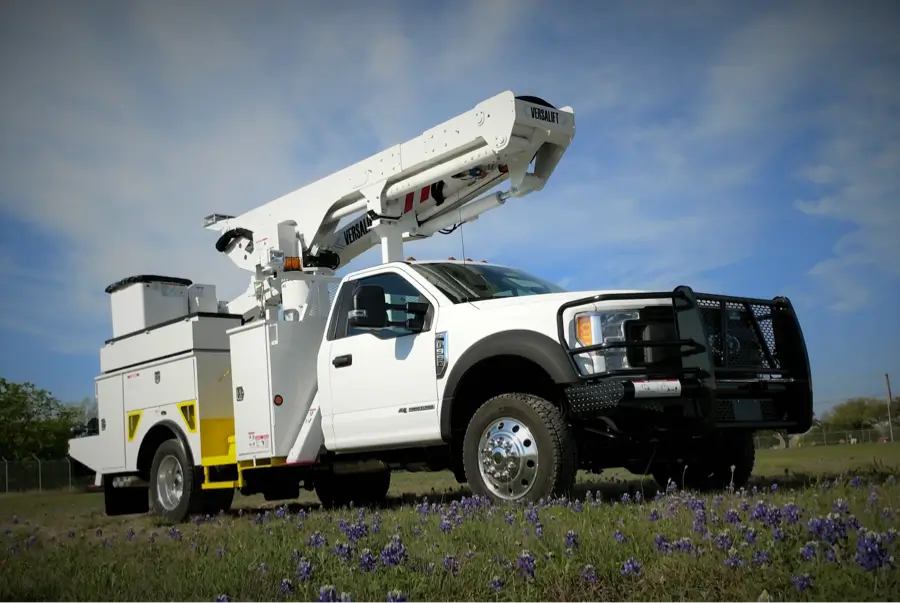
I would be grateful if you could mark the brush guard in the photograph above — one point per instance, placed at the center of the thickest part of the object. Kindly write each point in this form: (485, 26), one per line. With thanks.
(763, 382)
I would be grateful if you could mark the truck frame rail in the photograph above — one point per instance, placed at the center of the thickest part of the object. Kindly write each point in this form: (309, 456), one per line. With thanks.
(759, 379)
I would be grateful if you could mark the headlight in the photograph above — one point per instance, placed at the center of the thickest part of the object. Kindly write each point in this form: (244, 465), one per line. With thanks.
(593, 328)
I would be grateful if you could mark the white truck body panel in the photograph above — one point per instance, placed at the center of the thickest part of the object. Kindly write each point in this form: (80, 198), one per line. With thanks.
(273, 358)
(190, 333)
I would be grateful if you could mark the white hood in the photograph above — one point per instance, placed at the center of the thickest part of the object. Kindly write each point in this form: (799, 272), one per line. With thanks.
(552, 299)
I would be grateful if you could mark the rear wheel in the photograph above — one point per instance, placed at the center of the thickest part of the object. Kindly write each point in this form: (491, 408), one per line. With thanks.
(519, 447)
(174, 490)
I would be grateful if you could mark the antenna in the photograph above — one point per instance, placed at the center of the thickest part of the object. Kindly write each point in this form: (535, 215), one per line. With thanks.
(462, 237)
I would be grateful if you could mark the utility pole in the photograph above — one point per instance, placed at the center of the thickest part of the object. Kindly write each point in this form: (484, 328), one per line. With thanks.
(887, 381)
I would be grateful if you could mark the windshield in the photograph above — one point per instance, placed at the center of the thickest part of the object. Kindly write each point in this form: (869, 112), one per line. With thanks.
(474, 282)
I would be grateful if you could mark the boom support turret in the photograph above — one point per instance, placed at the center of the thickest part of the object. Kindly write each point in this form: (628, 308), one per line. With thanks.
(407, 192)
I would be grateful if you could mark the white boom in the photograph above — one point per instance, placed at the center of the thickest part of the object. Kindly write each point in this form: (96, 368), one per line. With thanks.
(407, 192)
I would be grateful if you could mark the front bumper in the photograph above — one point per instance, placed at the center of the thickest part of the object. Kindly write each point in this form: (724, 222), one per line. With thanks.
(760, 378)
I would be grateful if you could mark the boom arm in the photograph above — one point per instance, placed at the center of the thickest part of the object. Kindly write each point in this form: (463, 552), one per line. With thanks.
(407, 192)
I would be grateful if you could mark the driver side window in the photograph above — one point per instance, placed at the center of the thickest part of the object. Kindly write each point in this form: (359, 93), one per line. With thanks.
(397, 292)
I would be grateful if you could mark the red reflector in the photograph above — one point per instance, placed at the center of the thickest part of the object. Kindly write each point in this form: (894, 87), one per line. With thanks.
(408, 205)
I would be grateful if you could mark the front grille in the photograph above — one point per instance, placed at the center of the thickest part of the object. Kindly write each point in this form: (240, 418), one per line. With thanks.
(748, 340)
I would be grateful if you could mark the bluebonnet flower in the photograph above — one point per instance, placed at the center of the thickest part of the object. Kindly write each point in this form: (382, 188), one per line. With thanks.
(808, 551)
(394, 553)
(871, 553)
(732, 517)
(626, 498)
(589, 574)
(802, 582)
(496, 583)
(451, 564)
(733, 561)
(791, 513)
(761, 558)
(662, 544)
(654, 515)
(285, 588)
(841, 506)
(395, 596)
(531, 514)
(571, 540)
(830, 528)
(724, 541)
(856, 482)
(367, 561)
(777, 534)
(304, 570)
(317, 540)
(223, 598)
(526, 564)
(620, 536)
(631, 566)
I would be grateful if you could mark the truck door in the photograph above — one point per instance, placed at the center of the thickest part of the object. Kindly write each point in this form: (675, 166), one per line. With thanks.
(383, 388)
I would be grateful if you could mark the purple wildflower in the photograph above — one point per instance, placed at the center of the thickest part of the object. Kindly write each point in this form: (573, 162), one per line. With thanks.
(631, 566)
(761, 558)
(777, 534)
(750, 535)
(395, 596)
(871, 552)
(509, 518)
(304, 570)
(841, 506)
(732, 517)
(531, 514)
(394, 553)
(620, 536)
(576, 506)
(724, 541)
(887, 513)
(808, 551)
(625, 498)
(496, 584)
(451, 564)
(538, 530)
(791, 513)
(286, 587)
(589, 574)
(317, 540)
(367, 561)
(802, 582)
(856, 482)
(343, 551)
(571, 540)
(662, 544)
(526, 564)
(223, 598)
(733, 561)
(654, 515)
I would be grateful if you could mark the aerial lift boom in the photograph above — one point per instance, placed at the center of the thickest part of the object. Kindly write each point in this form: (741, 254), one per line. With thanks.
(407, 192)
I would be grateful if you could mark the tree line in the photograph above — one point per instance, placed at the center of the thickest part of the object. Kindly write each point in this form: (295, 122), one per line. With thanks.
(33, 423)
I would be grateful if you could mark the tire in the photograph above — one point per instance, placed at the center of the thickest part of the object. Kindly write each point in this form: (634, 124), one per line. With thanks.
(544, 459)
(165, 501)
(361, 489)
(123, 501)
(711, 471)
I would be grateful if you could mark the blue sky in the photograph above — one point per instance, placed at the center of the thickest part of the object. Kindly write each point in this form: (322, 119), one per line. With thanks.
(744, 148)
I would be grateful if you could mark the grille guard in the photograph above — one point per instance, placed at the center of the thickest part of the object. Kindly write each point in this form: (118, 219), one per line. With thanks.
(709, 378)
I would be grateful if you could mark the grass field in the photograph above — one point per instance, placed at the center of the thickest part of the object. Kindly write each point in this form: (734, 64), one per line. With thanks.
(817, 524)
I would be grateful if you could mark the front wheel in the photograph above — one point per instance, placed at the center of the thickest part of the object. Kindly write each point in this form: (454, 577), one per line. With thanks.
(518, 447)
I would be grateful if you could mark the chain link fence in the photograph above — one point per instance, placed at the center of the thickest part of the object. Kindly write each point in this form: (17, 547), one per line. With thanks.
(819, 437)
(34, 475)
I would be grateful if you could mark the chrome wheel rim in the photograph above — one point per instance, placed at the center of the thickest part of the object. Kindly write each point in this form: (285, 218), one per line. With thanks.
(169, 483)
(508, 458)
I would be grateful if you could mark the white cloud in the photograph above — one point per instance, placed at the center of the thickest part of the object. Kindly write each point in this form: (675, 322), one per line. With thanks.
(123, 128)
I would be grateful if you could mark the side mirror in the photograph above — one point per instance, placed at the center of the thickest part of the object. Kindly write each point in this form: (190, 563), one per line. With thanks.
(369, 310)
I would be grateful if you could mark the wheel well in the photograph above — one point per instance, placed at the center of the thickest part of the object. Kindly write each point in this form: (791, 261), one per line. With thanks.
(494, 376)
(158, 434)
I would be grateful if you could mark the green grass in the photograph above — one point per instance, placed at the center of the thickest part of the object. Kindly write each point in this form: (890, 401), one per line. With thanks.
(60, 546)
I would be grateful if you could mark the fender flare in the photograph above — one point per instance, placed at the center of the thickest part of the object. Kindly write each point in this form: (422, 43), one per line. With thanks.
(530, 345)
(180, 436)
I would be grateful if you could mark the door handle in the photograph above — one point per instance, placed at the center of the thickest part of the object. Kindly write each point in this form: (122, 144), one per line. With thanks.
(345, 360)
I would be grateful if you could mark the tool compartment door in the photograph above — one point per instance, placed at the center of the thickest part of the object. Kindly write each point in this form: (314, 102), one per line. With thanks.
(111, 412)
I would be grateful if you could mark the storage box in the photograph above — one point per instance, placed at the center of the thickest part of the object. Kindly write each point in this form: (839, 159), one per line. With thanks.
(144, 301)
(202, 298)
